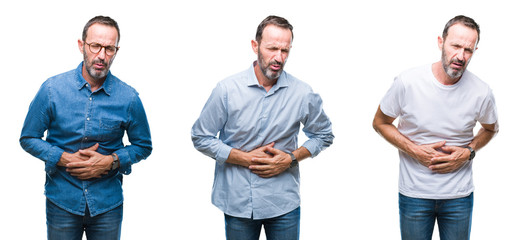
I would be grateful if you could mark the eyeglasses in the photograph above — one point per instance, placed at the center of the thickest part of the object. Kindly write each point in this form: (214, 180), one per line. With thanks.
(96, 48)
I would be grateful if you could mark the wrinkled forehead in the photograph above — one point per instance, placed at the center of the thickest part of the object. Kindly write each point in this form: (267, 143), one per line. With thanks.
(276, 35)
(461, 33)
(103, 34)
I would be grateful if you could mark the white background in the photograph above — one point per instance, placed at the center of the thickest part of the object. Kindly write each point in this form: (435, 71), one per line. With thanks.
(175, 52)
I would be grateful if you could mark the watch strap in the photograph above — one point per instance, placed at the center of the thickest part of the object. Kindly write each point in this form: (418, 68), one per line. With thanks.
(115, 163)
(294, 161)
(471, 153)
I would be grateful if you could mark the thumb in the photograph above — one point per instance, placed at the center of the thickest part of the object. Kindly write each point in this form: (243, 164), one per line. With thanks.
(270, 144)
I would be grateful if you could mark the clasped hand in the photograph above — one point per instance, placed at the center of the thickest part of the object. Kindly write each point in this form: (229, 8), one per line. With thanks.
(86, 163)
(440, 158)
(268, 162)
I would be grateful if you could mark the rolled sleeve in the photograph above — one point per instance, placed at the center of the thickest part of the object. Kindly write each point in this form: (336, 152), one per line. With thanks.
(212, 119)
(317, 126)
(139, 136)
(36, 123)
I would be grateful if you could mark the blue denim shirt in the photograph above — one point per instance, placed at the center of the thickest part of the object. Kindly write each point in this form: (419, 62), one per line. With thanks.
(247, 117)
(75, 118)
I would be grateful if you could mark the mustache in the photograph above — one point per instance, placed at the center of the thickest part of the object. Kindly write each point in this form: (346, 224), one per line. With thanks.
(275, 62)
(458, 61)
(99, 61)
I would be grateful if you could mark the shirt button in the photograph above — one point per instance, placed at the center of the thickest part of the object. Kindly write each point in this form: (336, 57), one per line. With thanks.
(86, 190)
(90, 99)
(87, 119)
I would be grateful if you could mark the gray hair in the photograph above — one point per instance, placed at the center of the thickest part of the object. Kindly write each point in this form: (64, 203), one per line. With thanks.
(104, 21)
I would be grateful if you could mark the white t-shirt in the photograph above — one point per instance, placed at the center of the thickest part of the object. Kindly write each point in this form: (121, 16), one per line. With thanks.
(431, 112)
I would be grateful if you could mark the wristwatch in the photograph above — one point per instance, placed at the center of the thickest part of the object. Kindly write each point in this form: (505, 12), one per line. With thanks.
(472, 153)
(294, 161)
(115, 163)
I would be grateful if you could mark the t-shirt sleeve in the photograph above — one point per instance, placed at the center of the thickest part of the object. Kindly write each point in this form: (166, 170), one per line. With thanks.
(390, 105)
(488, 113)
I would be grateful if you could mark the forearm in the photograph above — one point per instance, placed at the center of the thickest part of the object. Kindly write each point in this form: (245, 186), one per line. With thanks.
(239, 157)
(301, 153)
(484, 135)
(390, 133)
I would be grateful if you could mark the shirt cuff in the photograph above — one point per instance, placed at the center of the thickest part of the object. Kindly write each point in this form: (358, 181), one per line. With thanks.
(53, 159)
(223, 153)
(124, 161)
(312, 147)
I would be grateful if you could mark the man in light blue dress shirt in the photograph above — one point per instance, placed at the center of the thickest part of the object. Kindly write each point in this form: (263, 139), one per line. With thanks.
(257, 114)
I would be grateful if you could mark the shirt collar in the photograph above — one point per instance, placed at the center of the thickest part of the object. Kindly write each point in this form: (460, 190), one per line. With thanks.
(252, 79)
(81, 82)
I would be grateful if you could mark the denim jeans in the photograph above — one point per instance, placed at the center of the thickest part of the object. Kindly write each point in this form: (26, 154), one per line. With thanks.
(284, 227)
(417, 217)
(62, 225)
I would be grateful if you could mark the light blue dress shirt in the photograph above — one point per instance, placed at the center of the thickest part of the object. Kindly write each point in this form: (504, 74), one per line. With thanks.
(247, 117)
(76, 118)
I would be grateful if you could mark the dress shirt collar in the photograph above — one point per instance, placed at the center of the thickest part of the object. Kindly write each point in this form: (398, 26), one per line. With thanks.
(81, 82)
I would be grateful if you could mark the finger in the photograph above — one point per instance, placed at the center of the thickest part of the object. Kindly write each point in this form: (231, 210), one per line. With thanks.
(437, 144)
(440, 167)
(94, 147)
(264, 173)
(440, 159)
(274, 151)
(261, 161)
(87, 152)
(259, 166)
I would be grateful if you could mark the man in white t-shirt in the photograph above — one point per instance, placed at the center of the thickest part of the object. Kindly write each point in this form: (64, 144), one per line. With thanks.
(438, 107)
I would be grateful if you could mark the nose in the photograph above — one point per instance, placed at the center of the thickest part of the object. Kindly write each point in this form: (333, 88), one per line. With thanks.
(278, 56)
(461, 53)
(102, 53)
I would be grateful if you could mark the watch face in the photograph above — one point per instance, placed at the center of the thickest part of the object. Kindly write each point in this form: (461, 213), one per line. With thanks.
(294, 163)
(472, 153)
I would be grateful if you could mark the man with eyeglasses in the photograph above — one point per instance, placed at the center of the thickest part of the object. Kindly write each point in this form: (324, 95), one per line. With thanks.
(85, 113)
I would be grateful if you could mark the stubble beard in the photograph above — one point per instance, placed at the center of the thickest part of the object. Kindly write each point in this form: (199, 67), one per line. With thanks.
(452, 73)
(91, 70)
(267, 72)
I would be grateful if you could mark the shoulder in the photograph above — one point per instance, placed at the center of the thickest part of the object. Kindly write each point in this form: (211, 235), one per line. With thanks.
(475, 82)
(62, 77)
(123, 87)
(415, 73)
(298, 84)
(58, 82)
(240, 78)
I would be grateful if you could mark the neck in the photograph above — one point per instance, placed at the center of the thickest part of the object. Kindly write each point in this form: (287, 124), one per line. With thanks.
(94, 83)
(441, 75)
(263, 80)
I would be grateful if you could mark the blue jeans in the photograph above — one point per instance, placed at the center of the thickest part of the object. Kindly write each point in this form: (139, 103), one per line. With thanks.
(62, 225)
(417, 217)
(284, 227)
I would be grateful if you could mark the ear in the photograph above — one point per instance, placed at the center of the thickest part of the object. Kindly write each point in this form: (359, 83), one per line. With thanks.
(440, 42)
(80, 45)
(255, 46)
